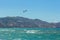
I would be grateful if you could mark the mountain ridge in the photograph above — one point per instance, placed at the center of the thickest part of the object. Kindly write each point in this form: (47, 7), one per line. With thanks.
(22, 22)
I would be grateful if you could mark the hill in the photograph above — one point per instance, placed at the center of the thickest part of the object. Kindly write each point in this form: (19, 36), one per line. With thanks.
(21, 22)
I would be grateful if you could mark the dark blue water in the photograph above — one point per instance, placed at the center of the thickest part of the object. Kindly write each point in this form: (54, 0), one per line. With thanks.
(29, 33)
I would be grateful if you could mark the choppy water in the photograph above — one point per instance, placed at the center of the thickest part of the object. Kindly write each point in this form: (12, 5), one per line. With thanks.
(29, 33)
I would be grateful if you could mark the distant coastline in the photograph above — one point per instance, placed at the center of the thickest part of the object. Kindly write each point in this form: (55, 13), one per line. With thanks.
(22, 22)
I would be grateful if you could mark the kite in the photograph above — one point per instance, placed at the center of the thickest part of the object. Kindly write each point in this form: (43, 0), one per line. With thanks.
(24, 11)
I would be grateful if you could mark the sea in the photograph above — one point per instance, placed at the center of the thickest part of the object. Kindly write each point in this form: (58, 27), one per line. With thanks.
(29, 33)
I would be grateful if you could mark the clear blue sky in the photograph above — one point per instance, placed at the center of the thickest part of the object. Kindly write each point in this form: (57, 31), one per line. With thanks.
(47, 10)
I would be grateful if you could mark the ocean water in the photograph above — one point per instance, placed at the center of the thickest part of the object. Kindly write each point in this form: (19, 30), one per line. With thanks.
(29, 33)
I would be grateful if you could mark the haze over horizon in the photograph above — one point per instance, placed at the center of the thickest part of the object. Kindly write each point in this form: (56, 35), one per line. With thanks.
(47, 10)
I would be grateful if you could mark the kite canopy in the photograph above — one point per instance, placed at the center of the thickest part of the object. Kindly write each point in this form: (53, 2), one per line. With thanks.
(24, 11)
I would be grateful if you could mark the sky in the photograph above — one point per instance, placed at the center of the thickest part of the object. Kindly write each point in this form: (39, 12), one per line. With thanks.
(46, 10)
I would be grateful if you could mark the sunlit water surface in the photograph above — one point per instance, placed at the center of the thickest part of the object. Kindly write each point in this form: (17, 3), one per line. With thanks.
(29, 33)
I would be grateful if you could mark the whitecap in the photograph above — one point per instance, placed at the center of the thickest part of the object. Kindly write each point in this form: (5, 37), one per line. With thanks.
(31, 31)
